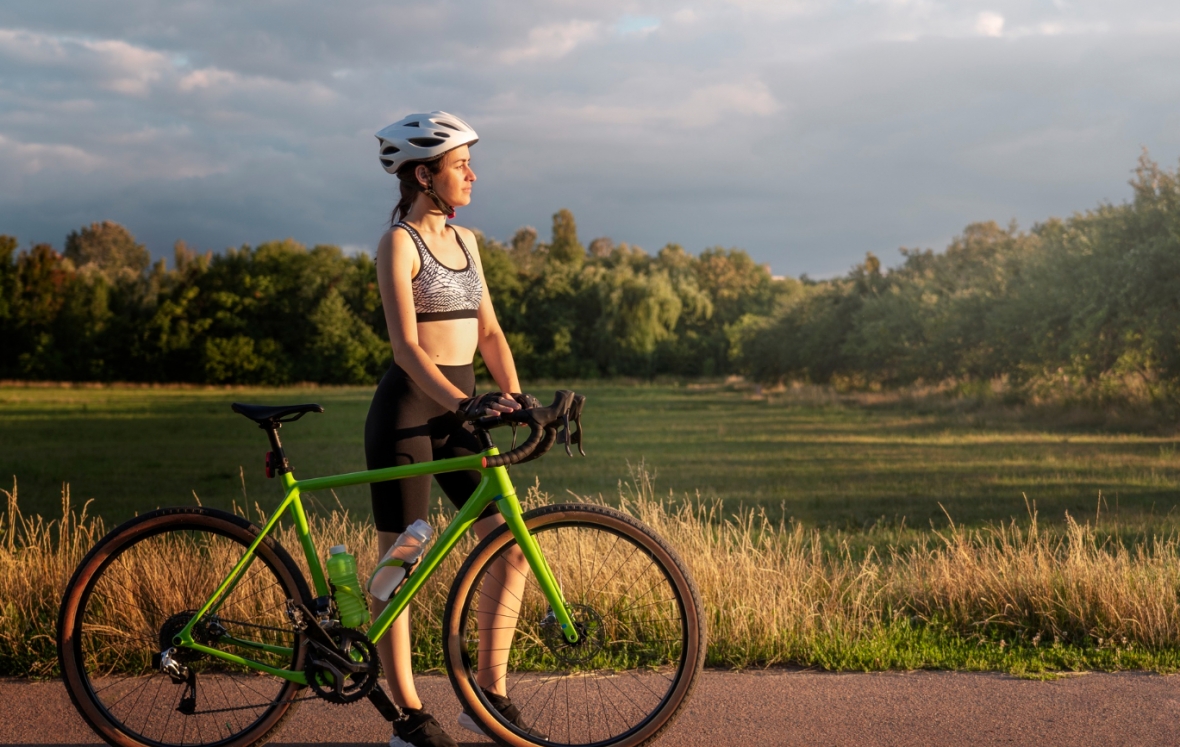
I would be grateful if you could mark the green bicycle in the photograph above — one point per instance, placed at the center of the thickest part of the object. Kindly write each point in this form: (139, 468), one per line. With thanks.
(595, 630)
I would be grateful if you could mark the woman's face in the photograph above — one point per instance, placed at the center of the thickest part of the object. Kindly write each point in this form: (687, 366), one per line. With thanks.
(453, 183)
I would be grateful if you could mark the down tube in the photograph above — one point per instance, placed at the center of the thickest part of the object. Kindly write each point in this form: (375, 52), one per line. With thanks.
(484, 494)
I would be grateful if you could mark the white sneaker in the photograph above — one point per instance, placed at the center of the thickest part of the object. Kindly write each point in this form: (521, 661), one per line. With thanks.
(467, 723)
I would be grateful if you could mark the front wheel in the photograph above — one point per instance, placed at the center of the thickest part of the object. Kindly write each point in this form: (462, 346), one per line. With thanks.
(639, 618)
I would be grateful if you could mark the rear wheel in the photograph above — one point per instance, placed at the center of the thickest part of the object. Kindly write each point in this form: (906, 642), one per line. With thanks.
(138, 588)
(639, 617)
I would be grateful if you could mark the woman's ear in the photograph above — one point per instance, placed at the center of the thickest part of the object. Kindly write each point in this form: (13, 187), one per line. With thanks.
(422, 174)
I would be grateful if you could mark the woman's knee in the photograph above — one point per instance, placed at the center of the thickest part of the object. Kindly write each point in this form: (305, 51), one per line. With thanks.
(487, 525)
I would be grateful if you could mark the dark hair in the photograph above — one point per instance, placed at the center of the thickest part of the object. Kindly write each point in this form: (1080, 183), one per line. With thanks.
(410, 188)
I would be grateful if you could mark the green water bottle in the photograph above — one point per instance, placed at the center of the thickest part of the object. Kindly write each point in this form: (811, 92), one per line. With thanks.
(350, 602)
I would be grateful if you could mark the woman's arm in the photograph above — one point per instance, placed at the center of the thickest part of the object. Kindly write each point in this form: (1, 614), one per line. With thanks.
(396, 260)
(493, 346)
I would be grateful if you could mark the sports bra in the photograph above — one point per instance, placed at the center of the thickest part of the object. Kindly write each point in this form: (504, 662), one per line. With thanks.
(440, 292)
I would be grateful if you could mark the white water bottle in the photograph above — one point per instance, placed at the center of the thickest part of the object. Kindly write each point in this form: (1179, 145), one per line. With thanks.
(401, 555)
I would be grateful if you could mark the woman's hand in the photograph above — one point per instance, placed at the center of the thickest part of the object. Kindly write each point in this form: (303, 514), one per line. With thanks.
(492, 403)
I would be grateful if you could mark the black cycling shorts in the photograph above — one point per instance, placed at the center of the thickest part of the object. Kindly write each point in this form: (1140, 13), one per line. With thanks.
(405, 426)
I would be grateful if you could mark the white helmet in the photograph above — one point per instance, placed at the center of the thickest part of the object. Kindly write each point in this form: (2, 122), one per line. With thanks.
(419, 137)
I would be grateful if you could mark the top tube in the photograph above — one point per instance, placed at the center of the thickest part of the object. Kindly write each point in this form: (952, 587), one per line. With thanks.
(454, 464)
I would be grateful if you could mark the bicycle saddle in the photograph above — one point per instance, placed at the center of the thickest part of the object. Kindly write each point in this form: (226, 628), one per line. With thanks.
(265, 414)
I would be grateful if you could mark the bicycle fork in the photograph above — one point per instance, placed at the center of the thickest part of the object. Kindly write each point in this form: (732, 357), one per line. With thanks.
(509, 507)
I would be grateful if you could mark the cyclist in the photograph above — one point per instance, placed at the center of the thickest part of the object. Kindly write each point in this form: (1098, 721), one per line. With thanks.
(439, 313)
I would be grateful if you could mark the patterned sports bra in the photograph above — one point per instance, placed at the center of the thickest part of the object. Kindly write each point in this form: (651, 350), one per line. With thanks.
(440, 292)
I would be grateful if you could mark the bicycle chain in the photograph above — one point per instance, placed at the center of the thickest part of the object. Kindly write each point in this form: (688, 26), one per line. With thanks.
(248, 707)
(260, 627)
(228, 709)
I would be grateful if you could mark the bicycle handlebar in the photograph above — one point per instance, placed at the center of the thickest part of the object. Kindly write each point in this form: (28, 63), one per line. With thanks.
(543, 423)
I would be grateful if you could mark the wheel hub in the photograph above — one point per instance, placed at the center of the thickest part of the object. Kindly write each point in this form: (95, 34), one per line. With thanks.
(591, 635)
(171, 628)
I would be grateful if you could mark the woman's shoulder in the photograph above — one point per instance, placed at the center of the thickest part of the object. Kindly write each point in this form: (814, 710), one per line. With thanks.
(393, 236)
(469, 240)
(467, 235)
(396, 240)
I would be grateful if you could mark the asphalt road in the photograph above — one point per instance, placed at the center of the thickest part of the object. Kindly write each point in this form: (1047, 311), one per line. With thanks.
(764, 708)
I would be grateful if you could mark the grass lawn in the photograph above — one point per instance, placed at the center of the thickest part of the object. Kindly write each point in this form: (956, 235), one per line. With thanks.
(823, 462)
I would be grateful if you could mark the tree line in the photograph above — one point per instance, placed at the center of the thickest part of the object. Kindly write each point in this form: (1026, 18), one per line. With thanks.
(1083, 308)
(279, 312)
(1086, 305)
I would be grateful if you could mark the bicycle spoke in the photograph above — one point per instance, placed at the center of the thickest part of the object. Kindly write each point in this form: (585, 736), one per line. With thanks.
(631, 635)
(139, 600)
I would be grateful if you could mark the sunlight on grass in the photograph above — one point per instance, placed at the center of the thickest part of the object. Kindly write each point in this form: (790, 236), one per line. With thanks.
(1016, 597)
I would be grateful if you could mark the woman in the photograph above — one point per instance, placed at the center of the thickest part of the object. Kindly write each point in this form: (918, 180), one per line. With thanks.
(438, 313)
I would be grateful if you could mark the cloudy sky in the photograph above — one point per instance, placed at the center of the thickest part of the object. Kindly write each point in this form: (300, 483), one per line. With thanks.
(805, 132)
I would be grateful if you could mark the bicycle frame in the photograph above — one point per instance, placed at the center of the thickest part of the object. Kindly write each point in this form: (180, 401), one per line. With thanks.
(494, 487)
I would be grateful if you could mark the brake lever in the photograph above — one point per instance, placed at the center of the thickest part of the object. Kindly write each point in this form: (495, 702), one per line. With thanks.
(576, 437)
(514, 427)
(565, 433)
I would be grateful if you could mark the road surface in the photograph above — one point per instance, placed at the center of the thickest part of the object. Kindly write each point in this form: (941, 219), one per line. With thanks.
(774, 707)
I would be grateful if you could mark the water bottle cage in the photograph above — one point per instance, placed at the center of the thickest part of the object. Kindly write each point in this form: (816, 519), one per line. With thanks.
(392, 562)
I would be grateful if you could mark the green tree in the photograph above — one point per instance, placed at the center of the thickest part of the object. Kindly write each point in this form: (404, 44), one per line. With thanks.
(565, 247)
(108, 247)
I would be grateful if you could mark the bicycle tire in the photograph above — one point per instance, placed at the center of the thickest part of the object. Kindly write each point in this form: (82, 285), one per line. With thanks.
(618, 658)
(123, 602)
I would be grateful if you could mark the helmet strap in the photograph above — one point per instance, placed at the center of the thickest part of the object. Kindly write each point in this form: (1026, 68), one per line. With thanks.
(446, 209)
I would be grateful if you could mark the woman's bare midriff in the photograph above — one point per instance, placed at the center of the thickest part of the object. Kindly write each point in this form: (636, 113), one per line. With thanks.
(451, 342)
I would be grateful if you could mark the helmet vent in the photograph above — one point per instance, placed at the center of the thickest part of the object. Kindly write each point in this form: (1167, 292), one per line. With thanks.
(386, 162)
(389, 150)
(425, 142)
(442, 134)
(410, 124)
(448, 125)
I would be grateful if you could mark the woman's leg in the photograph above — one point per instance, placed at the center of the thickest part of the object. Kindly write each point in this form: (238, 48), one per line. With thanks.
(500, 596)
(394, 647)
(499, 608)
(396, 433)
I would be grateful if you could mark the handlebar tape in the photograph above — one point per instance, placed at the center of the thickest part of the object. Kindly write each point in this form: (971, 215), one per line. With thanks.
(542, 431)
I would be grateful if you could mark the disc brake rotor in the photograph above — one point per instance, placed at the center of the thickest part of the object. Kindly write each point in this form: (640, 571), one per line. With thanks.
(591, 635)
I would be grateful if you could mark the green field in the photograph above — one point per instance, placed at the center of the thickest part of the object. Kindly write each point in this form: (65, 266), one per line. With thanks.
(825, 462)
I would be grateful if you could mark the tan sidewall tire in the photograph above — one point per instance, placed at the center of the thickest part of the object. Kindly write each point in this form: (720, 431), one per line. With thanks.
(608, 518)
(233, 526)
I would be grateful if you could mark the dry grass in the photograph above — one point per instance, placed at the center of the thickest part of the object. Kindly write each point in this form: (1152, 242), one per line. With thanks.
(1012, 596)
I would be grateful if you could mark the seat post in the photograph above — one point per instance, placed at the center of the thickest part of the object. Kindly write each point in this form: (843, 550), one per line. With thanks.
(278, 460)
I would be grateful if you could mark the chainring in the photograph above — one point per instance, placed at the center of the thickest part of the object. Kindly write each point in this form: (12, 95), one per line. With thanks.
(327, 680)
(591, 635)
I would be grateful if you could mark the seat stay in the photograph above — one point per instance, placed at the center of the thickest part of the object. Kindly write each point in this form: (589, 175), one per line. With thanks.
(185, 636)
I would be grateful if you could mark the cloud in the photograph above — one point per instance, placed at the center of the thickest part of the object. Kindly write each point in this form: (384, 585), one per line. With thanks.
(728, 102)
(209, 77)
(552, 41)
(112, 64)
(989, 24)
(640, 26)
(805, 131)
(28, 159)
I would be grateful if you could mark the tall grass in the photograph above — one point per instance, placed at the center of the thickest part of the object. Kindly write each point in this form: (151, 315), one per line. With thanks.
(1009, 596)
